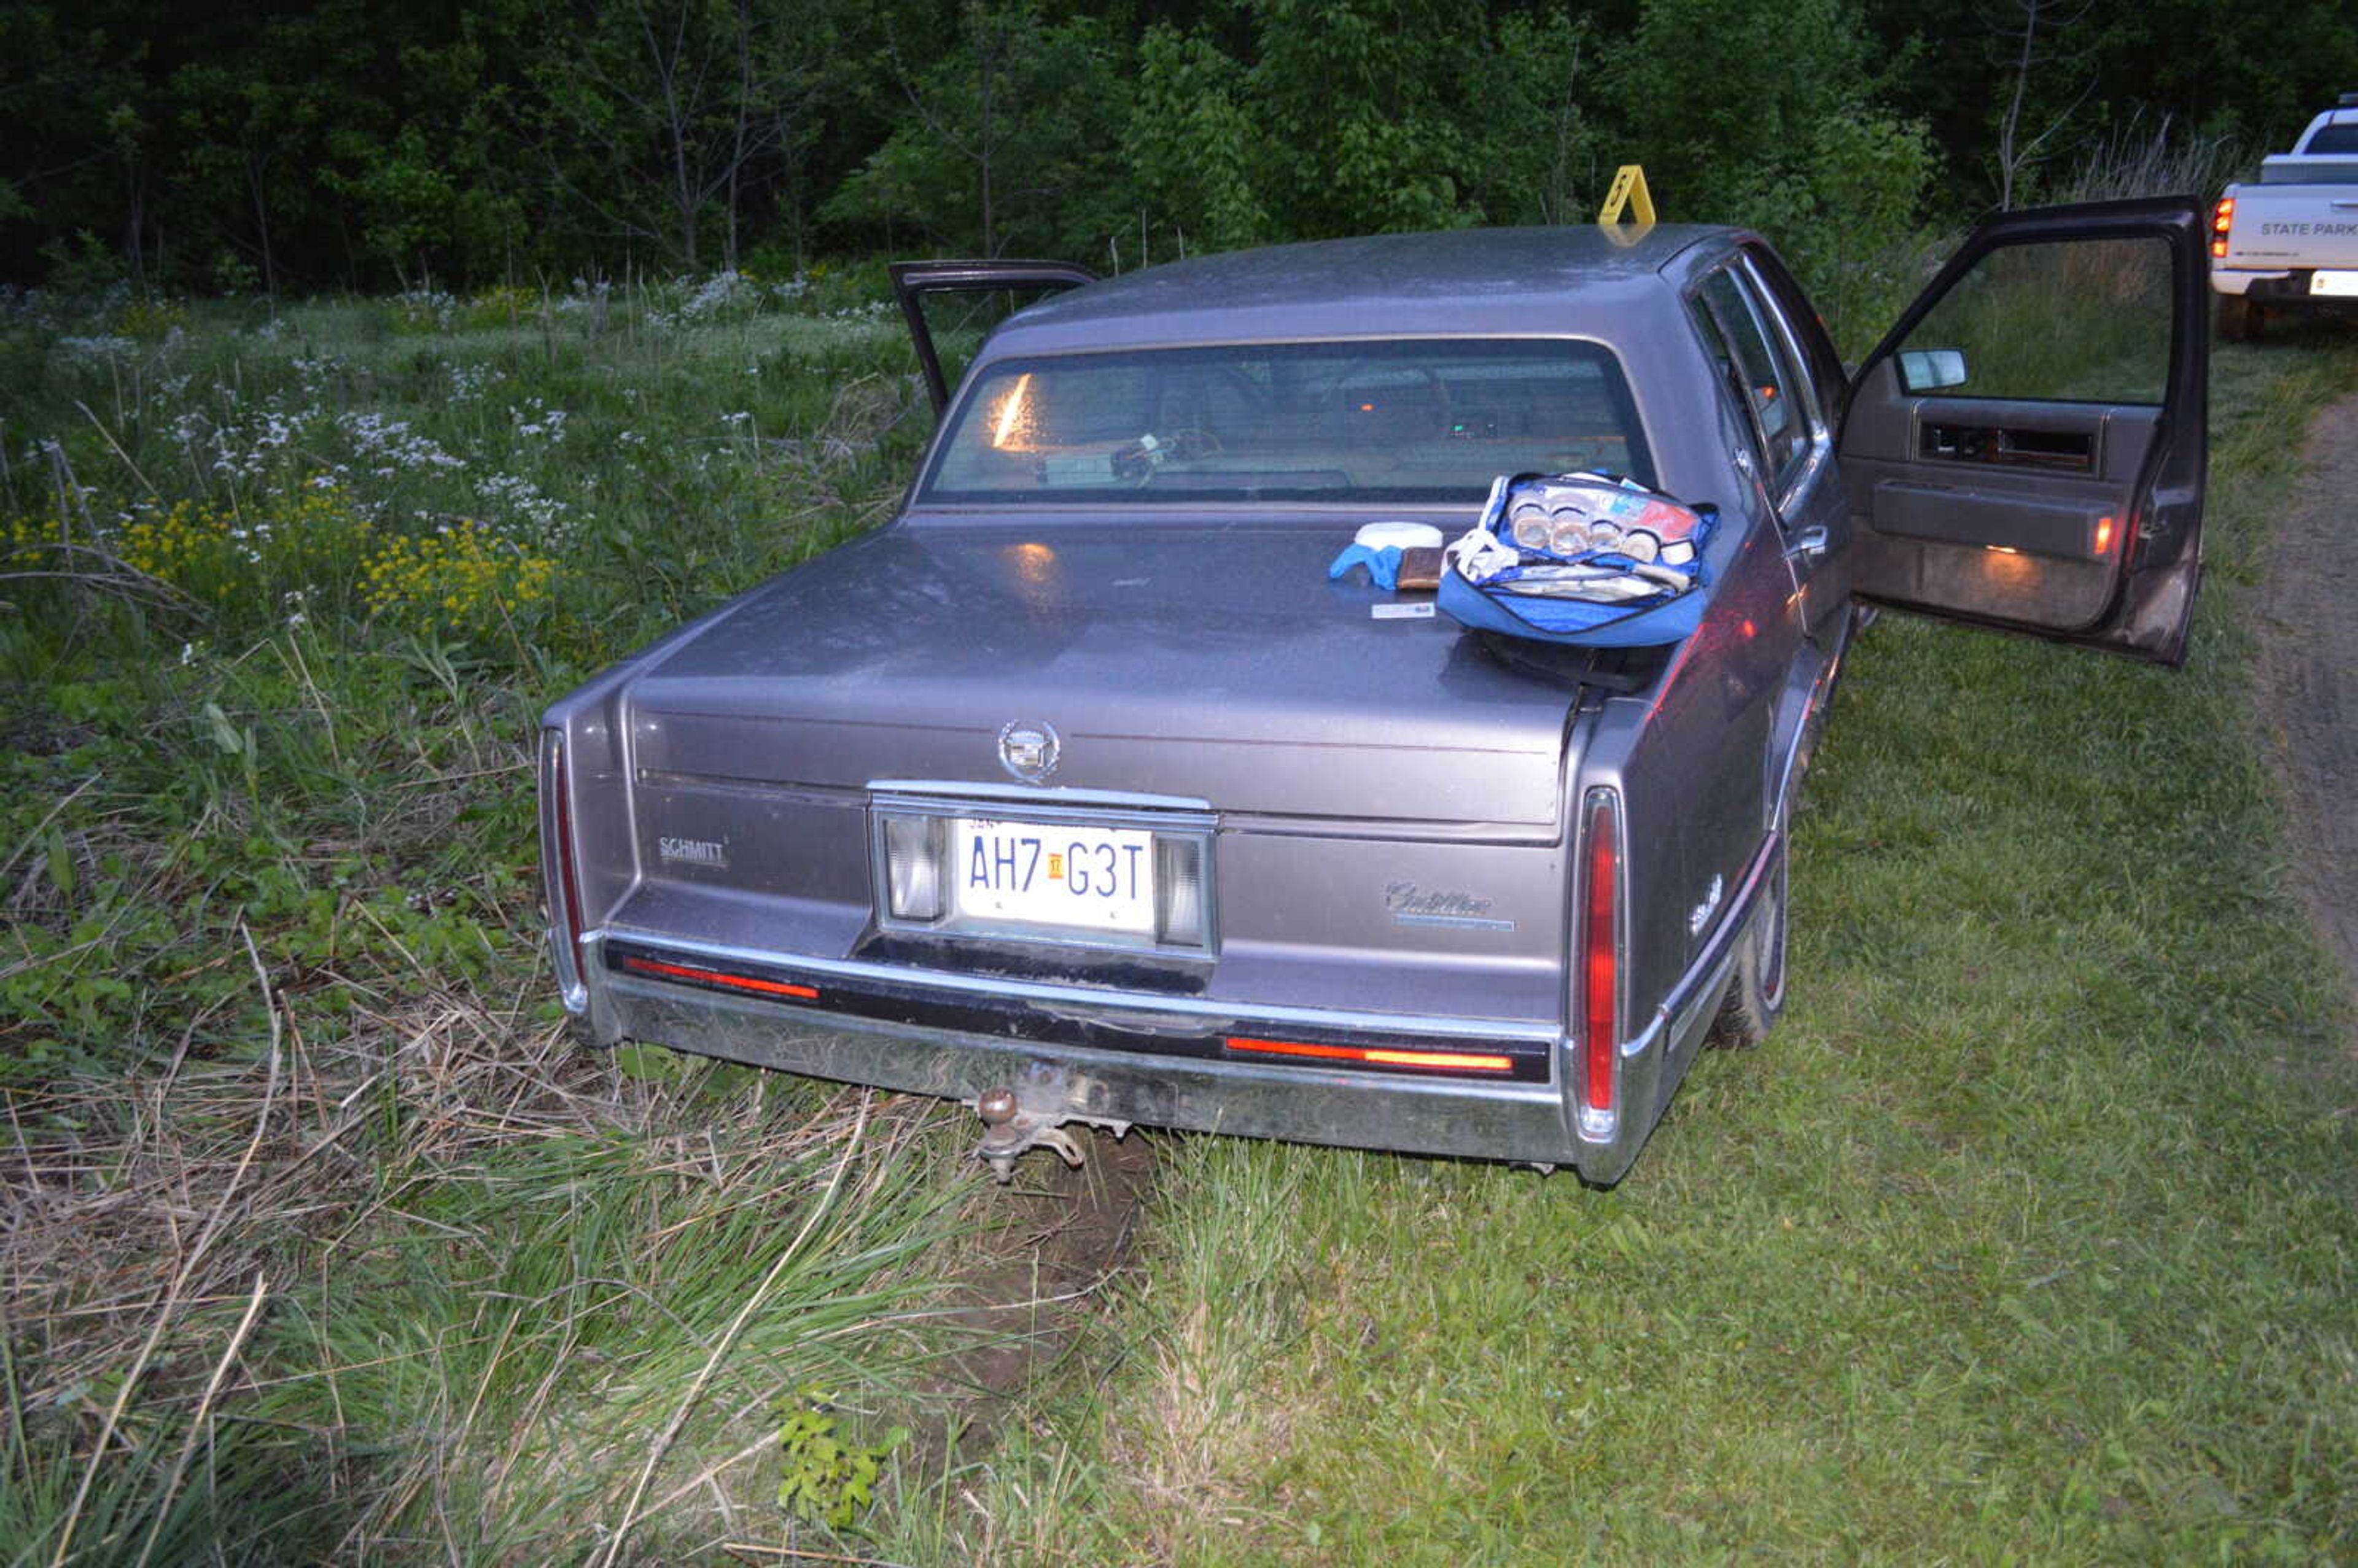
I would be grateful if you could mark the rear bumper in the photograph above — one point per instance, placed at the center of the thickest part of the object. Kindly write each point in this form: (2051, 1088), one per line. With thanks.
(1096, 1055)
(1116, 1056)
(2287, 286)
(1517, 1121)
(959, 1037)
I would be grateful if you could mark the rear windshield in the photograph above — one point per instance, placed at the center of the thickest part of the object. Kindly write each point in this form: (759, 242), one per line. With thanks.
(2337, 137)
(1419, 420)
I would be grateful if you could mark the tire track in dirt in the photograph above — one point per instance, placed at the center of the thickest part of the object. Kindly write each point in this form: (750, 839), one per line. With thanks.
(2309, 677)
(1055, 1239)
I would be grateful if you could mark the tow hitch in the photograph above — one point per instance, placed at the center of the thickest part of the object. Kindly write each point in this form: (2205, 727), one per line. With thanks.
(1013, 1123)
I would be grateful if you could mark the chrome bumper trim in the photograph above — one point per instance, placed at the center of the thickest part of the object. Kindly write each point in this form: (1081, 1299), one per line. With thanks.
(1052, 796)
(1095, 999)
(570, 990)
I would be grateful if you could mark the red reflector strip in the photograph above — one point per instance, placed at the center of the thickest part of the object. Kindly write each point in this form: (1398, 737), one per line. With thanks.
(714, 977)
(1375, 1056)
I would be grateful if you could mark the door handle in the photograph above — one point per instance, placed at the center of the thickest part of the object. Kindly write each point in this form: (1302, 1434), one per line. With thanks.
(1809, 545)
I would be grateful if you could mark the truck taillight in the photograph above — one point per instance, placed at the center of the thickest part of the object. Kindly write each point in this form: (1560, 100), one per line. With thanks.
(1600, 964)
(2222, 218)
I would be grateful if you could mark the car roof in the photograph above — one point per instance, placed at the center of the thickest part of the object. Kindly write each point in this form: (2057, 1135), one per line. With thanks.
(1573, 280)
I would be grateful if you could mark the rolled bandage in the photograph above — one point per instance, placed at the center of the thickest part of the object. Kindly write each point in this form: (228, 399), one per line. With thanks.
(1399, 536)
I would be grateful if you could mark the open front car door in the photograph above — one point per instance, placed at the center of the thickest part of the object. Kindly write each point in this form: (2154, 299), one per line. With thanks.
(2027, 447)
(978, 296)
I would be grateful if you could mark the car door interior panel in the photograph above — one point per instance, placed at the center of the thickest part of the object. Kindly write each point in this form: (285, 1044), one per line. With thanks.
(2025, 448)
(2062, 529)
(2007, 508)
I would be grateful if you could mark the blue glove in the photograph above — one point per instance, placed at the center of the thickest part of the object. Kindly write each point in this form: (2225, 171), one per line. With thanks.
(1383, 565)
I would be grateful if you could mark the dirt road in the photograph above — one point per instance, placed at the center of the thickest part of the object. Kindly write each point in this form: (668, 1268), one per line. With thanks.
(2308, 675)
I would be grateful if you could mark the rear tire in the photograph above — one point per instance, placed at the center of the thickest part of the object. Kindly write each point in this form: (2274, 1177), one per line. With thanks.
(2239, 319)
(1756, 994)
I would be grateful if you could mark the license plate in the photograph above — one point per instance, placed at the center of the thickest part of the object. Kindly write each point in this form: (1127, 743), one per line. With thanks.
(2336, 282)
(1034, 873)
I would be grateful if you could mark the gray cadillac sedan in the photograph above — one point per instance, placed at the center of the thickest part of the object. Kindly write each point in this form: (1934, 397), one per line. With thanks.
(1081, 793)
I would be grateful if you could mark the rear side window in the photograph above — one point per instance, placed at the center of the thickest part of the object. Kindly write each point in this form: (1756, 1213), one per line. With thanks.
(1722, 359)
(1765, 378)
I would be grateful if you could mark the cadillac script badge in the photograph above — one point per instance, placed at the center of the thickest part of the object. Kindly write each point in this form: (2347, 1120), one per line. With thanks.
(1029, 750)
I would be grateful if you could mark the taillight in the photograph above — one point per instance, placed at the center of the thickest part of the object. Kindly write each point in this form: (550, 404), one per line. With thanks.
(1600, 964)
(565, 886)
(2222, 218)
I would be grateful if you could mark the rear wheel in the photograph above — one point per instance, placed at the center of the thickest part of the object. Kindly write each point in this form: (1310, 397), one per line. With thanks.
(2239, 319)
(1755, 996)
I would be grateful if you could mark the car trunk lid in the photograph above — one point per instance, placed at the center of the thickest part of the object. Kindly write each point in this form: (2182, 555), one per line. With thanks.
(1207, 663)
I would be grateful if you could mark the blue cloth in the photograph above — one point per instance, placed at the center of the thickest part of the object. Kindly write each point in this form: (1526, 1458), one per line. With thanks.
(1630, 623)
(1383, 565)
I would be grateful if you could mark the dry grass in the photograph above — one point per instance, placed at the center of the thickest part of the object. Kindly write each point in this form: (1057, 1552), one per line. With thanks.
(151, 1222)
(318, 1238)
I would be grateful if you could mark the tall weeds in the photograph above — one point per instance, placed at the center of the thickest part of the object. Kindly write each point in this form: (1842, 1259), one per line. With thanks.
(323, 1242)
(2155, 158)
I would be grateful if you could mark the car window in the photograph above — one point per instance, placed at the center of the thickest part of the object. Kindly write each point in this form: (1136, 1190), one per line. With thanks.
(2082, 322)
(1820, 362)
(1768, 381)
(2335, 138)
(1722, 359)
(1783, 344)
(1430, 421)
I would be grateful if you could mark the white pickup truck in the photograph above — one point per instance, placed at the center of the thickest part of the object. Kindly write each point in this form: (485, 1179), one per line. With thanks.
(2290, 242)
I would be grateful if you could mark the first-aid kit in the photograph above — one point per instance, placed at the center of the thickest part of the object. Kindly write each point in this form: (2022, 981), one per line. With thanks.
(1589, 559)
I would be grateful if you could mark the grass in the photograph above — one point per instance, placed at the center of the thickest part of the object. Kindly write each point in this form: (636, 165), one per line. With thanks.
(2030, 1236)
(323, 1243)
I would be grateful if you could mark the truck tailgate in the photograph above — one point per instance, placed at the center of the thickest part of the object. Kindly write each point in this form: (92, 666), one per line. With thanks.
(2281, 226)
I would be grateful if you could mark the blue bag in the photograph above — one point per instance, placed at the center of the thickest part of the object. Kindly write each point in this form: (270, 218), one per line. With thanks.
(1484, 604)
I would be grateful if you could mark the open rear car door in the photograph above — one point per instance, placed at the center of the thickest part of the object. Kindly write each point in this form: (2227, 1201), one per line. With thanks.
(978, 296)
(2026, 448)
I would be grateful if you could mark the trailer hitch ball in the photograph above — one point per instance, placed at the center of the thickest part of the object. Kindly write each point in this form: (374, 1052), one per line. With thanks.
(1009, 1130)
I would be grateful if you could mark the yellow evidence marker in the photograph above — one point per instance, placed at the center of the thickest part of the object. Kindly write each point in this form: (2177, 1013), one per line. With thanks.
(1628, 190)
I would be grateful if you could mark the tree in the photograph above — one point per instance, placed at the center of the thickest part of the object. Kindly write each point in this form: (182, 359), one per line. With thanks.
(2034, 33)
(1191, 143)
(1535, 149)
(1363, 104)
(657, 109)
(1012, 136)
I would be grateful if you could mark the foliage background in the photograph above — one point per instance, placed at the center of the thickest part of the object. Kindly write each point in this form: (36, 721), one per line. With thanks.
(321, 1245)
(359, 143)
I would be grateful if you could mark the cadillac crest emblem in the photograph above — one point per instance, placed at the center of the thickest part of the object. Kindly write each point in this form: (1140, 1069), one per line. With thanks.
(1029, 750)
